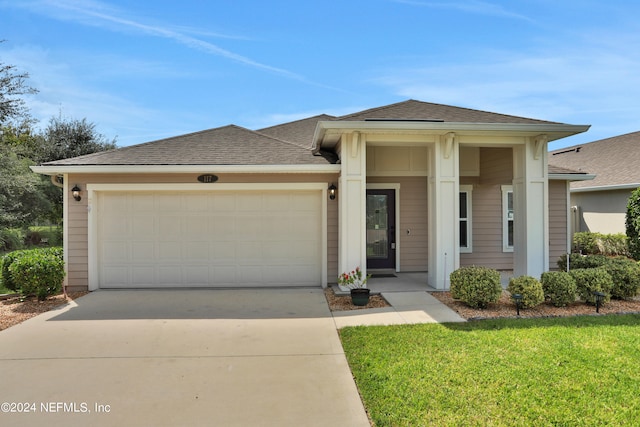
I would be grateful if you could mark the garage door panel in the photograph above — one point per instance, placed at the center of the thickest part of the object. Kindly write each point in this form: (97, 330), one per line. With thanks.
(142, 251)
(167, 239)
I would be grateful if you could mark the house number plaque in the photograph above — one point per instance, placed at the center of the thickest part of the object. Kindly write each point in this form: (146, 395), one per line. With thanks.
(207, 179)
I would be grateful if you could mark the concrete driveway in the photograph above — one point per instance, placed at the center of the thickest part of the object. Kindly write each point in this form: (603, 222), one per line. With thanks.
(268, 357)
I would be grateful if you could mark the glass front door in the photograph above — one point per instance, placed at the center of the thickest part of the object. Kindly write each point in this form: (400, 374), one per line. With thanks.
(381, 230)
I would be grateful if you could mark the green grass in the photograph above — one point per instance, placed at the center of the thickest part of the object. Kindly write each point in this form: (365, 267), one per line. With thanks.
(580, 371)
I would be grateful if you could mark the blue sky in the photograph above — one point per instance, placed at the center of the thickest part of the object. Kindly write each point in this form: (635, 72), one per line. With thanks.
(146, 70)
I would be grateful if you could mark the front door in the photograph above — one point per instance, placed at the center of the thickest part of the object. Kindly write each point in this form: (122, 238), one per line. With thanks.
(381, 229)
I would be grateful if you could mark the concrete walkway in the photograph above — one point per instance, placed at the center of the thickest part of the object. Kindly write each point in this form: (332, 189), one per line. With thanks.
(406, 308)
(268, 357)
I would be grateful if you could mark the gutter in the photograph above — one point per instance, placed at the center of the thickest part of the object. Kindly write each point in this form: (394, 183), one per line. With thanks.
(632, 186)
(217, 169)
(572, 176)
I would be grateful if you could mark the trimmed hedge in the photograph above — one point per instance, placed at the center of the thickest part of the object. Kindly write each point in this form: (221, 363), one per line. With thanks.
(476, 286)
(559, 287)
(589, 280)
(530, 289)
(626, 279)
(44, 266)
(591, 243)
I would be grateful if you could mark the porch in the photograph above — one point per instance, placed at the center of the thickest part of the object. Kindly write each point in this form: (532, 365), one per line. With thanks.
(389, 281)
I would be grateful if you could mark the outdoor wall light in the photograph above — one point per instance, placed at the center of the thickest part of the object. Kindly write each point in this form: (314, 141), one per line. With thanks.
(75, 192)
(332, 192)
(599, 298)
(518, 300)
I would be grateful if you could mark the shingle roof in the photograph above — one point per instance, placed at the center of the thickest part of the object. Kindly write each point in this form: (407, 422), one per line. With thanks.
(299, 132)
(614, 161)
(228, 145)
(285, 144)
(418, 110)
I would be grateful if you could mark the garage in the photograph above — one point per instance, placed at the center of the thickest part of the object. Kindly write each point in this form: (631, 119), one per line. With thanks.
(221, 238)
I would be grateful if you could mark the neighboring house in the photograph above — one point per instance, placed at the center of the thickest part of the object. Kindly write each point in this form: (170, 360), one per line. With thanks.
(600, 205)
(411, 186)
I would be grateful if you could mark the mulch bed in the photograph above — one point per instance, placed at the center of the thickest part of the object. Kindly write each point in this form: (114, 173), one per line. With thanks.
(16, 309)
(343, 302)
(506, 308)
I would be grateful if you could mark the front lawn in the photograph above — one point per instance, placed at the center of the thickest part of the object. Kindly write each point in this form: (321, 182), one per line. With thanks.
(579, 371)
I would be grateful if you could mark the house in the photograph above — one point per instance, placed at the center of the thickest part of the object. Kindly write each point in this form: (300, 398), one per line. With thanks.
(600, 205)
(411, 186)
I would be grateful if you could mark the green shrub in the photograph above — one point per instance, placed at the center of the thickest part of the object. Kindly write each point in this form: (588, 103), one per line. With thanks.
(559, 287)
(7, 260)
(7, 278)
(632, 224)
(11, 239)
(585, 242)
(475, 286)
(590, 280)
(589, 243)
(530, 289)
(626, 278)
(582, 261)
(38, 272)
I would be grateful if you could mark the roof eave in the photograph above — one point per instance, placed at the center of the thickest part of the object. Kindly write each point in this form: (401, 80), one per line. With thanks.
(171, 169)
(554, 131)
(631, 186)
(571, 176)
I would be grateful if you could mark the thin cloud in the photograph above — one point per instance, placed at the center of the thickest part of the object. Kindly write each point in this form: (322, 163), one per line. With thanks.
(472, 6)
(90, 12)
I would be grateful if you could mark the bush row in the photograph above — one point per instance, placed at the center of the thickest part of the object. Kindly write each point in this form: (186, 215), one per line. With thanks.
(37, 272)
(616, 278)
(12, 239)
(590, 243)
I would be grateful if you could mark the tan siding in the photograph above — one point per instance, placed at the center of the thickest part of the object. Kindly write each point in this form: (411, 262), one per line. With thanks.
(558, 227)
(77, 240)
(496, 169)
(413, 216)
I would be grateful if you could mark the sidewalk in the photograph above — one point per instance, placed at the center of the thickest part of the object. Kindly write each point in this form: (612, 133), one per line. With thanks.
(406, 308)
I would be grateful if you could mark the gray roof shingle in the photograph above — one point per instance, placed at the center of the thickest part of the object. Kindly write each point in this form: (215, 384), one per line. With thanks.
(228, 145)
(285, 144)
(614, 161)
(419, 110)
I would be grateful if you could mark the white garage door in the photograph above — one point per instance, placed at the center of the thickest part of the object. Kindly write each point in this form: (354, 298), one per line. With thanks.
(197, 239)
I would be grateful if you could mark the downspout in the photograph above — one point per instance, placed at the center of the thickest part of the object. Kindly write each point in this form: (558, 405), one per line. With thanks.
(54, 181)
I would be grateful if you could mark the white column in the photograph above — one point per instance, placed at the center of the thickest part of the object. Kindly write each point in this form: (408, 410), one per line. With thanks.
(531, 208)
(444, 186)
(352, 203)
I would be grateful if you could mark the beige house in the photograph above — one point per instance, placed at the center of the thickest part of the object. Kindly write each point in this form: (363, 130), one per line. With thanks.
(600, 204)
(411, 186)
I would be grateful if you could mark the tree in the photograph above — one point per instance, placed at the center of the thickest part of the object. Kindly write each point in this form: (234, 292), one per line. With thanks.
(632, 223)
(64, 138)
(12, 87)
(22, 199)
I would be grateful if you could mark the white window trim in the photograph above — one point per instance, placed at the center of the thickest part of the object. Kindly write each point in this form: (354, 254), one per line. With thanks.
(468, 189)
(506, 189)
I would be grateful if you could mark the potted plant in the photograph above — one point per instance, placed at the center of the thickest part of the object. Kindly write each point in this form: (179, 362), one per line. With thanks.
(356, 284)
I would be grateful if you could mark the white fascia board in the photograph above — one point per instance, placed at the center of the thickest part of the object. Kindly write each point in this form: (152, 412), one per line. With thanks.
(552, 130)
(571, 176)
(217, 169)
(606, 188)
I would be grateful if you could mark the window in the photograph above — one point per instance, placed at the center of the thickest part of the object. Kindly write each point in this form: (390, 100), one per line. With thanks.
(507, 218)
(465, 218)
